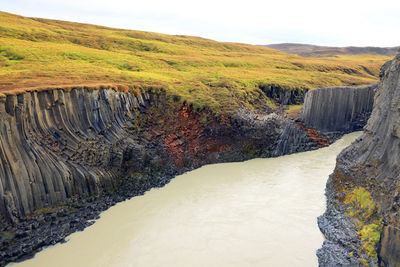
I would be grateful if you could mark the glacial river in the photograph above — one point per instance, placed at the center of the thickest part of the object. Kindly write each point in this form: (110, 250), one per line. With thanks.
(261, 212)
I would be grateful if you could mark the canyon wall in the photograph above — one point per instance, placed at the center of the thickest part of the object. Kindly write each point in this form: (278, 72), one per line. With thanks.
(284, 96)
(56, 144)
(67, 155)
(362, 220)
(342, 109)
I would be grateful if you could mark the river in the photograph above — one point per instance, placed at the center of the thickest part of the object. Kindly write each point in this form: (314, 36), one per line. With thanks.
(261, 212)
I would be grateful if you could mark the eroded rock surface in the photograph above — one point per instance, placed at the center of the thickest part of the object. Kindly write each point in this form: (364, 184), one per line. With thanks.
(338, 109)
(67, 155)
(362, 220)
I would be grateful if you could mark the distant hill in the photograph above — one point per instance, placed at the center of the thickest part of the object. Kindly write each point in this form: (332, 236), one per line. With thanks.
(315, 50)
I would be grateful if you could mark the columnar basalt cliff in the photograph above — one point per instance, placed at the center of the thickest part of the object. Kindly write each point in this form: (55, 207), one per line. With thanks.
(67, 155)
(362, 219)
(342, 109)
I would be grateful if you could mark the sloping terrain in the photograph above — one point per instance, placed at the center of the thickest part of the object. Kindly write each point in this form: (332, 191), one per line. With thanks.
(316, 50)
(41, 53)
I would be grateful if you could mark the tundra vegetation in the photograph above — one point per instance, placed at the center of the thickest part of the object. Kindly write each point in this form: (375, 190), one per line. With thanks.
(38, 54)
(364, 212)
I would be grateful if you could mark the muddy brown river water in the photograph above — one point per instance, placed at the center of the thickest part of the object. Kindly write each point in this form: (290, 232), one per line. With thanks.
(261, 212)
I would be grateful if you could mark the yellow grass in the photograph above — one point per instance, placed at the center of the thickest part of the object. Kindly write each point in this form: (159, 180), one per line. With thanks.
(40, 53)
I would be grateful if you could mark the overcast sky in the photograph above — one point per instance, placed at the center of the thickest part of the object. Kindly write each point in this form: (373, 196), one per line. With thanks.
(336, 23)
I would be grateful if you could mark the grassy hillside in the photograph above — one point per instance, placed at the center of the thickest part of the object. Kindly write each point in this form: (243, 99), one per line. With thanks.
(39, 53)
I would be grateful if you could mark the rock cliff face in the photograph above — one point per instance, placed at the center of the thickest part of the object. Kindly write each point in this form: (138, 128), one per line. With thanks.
(362, 220)
(55, 145)
(67, 155)
(284, 96)
(342, 109)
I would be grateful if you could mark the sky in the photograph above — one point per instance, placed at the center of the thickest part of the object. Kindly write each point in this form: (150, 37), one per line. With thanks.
(332, 23)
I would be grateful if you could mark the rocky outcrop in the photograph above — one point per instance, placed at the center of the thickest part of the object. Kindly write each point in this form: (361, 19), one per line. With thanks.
(67, 155)
(389, 246)
(338, 109)
(362, 220)
(56, 144)
(284, 96)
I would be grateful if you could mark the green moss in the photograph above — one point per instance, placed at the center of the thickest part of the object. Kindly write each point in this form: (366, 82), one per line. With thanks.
(365, 262)
(362, 208)
(370, 235)
(360, 204)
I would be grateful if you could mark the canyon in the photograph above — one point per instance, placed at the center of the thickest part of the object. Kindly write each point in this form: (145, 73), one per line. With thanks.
(226, 214)
(67, 155)
(73, 153)
(91, 116)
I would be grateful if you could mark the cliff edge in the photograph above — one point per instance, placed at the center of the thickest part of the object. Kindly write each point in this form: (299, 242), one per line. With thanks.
(362, 220)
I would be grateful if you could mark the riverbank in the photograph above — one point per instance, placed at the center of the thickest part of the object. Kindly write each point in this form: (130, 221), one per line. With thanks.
(82, 151)
(250, 213)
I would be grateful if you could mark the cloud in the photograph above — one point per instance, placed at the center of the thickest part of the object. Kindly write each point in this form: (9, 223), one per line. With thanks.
(339, 23)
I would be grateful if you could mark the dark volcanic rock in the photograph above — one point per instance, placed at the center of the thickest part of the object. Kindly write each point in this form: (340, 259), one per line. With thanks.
(338, 109)
(65, 156)
(284, 96)
(389, 247)
(371, 163)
